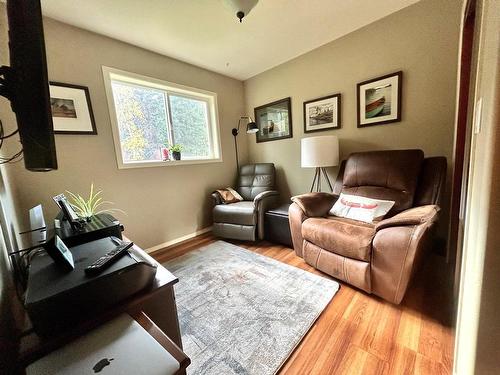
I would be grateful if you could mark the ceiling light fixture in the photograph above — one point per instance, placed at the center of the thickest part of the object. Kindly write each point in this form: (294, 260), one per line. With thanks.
(240, 7)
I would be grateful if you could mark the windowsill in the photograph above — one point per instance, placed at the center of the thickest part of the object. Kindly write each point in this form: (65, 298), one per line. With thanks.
(169, 163)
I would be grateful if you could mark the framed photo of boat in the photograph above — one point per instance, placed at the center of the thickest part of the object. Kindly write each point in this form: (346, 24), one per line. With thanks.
(274, 120)
(71, 109)
(379, 100)
(322, 114)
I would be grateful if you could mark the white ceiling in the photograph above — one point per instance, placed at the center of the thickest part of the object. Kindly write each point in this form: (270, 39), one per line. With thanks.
(205, 33)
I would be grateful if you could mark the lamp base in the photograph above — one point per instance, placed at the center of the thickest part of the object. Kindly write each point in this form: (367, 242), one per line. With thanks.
(317, 179)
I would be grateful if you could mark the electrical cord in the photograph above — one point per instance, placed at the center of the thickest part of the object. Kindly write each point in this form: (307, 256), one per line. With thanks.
(18, 155)
(18, 274)
(28, 249)
(30, 256)
(21, 265)
(11, 134)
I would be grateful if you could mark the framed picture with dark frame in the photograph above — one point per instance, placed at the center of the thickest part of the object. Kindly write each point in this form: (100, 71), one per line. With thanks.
(274, 120)
(379, 100)
(322, 114)
(71, 109)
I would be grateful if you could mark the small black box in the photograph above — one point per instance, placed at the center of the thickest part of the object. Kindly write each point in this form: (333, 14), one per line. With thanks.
(277, 227)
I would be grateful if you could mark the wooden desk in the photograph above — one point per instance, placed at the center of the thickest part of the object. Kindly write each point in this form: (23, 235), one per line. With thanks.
(157, 302)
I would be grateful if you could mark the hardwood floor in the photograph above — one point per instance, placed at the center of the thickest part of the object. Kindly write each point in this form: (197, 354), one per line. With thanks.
(362, 334)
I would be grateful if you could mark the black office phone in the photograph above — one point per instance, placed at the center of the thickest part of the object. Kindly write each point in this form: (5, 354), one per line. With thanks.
(68, 212)
(60, 253)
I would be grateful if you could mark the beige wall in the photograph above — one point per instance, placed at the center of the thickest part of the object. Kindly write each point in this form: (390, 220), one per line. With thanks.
(162, 203)
(420, 40)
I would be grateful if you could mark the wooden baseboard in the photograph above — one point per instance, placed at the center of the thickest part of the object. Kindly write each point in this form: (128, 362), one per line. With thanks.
(177, 241)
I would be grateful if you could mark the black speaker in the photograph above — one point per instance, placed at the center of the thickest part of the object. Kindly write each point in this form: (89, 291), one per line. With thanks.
(26, 84)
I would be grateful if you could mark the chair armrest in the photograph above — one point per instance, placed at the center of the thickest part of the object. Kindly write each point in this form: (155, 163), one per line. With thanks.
(264, 202)
(296, 217)
(315, 204)
(412, 216)
(216, 199)
(398, 249)
(264, 195)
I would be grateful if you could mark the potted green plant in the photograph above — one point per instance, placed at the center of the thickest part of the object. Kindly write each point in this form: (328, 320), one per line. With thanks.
(176, 151)
(86, 208)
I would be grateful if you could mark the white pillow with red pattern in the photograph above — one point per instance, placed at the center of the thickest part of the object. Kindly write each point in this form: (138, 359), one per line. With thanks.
(361, 208)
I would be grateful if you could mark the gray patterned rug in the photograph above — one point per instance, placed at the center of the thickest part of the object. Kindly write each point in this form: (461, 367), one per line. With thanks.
(241, 312)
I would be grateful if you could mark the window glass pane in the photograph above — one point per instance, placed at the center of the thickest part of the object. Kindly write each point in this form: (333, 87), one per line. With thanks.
(142, 121)
(190, 126)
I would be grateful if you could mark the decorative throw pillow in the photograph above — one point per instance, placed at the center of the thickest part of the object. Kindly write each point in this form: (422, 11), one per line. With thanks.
(361, 208)
(229, 195)
(235, 194)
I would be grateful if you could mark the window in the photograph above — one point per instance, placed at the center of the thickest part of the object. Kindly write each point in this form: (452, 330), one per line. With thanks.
(148, 114)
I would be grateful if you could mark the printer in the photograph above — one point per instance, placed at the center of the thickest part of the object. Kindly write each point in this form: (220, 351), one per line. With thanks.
(57, 298)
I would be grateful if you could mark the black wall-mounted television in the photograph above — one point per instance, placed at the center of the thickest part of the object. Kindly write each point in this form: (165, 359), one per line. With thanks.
(25, 84)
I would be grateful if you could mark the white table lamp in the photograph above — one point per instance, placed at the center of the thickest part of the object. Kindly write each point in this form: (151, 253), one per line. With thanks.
(320, 152)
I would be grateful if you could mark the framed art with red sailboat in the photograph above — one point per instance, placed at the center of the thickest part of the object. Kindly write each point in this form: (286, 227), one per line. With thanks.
(379, 100)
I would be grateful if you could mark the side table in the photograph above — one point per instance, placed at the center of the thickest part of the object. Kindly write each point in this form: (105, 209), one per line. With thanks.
(277, 227)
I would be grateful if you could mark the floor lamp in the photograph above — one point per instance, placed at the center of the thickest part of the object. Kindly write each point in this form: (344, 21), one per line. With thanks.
(251, 129)
(320, 152)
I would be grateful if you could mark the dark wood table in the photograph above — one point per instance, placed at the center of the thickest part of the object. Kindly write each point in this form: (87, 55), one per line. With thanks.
(157, 302)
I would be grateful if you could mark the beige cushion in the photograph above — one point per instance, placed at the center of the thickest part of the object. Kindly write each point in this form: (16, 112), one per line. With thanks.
(228, 195)
(361, 208)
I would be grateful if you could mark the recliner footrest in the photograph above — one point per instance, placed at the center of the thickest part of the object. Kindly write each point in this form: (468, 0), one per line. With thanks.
(234, 231)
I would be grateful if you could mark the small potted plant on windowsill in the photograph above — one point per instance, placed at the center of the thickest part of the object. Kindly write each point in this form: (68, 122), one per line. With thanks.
(176, 151)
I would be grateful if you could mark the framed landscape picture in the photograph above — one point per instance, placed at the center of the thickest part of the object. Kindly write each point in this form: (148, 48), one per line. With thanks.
(71, 109)
(274, 120)
(379, 100)
(322, 114)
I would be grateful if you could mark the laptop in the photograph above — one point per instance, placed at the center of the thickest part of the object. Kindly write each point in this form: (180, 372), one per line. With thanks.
(120, 346)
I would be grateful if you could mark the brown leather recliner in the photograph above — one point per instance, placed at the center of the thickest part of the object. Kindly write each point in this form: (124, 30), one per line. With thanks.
(378, 258)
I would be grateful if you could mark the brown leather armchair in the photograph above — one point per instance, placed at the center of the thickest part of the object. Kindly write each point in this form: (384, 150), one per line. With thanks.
(245, 220)
(378, 258)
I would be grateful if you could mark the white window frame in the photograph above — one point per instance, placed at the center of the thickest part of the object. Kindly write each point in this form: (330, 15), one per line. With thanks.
(112, 74)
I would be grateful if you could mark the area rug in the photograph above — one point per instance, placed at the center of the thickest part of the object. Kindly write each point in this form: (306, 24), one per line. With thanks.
(241, 312)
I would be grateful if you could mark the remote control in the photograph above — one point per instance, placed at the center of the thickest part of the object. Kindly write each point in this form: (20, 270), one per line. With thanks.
(107, 260)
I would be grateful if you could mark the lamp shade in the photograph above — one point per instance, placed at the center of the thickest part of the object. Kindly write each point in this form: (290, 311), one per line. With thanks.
(320, 151)
(236, 6)
(252, 127)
